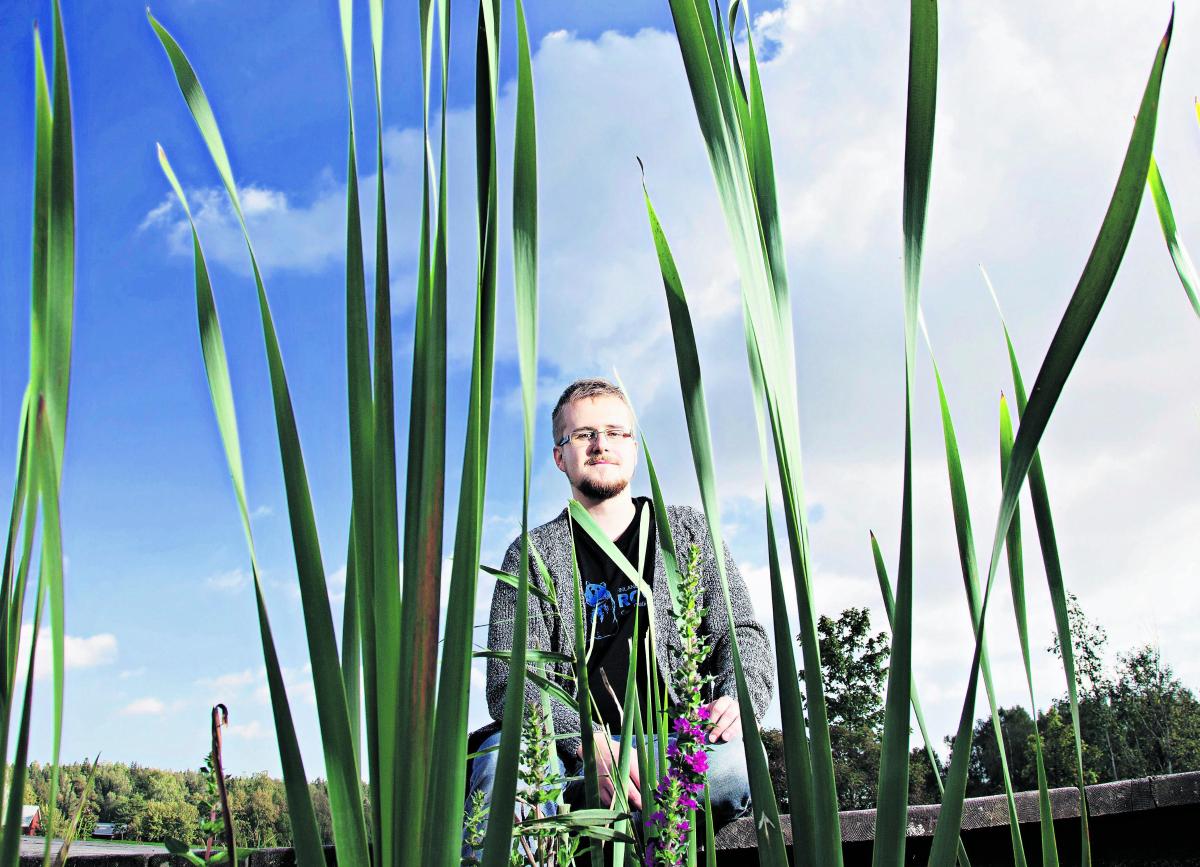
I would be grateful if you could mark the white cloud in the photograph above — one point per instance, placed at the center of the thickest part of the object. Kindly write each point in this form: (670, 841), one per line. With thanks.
(262, 512)
(253, 730)
(148, 706)
(78, 651)
(230, 580)
(231, 681)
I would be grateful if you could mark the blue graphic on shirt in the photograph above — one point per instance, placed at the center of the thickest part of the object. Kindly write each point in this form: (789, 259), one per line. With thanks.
(604, 612)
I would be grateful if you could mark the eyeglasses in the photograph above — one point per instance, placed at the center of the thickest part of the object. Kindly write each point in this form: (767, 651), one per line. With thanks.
(586, 436)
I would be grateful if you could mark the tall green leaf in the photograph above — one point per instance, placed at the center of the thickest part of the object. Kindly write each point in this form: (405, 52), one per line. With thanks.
(498, 842)
(358, 624)
(332, 713)
(1016, 577)
(889, 605)
(449, 768)
(733, 127)
(591, 782)
(1084, 307)
(1179, 254)
(306, 837)
(1044, 520)
(966, 554)
(766, 810)
(891, 819)
(425, 479)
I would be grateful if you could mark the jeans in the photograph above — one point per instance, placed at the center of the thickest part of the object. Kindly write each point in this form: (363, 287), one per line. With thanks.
(728, 782)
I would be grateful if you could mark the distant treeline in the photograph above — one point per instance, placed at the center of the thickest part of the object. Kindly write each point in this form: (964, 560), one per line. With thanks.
(154, 804)
(1136, 718)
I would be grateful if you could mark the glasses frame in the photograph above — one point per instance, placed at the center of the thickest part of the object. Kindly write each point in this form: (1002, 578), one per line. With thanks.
(608, 434)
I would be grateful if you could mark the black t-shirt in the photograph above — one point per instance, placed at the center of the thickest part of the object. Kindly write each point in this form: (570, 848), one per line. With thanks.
(610, 601)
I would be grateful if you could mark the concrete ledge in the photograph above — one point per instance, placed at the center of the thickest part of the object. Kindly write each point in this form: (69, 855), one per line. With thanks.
(1113, 807)
(991, 811)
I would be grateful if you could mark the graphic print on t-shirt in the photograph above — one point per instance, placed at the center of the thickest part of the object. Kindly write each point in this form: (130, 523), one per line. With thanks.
(604, 611)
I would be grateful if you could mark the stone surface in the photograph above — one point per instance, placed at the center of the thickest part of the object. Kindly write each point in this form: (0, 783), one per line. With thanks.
(1123, 814)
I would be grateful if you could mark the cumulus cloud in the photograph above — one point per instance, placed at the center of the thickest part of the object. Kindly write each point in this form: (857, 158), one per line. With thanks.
(230, 580)
(147, 706)
(79, 651)
(253, 730)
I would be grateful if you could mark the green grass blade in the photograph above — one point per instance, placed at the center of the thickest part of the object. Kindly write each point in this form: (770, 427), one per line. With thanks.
(10, 841)
(449, 769)
(1016, 575)
(305, 834)
(1179, 254)
(716, 100)
(766, 812)
(358, 629)
(891, 818)
(1044, 520)
(498, 842)
(966, 553)
(796, 748)
(425, 480)
(889, 604)
(630, 710)
(591, 782)
(332, 714)
(56, 372)
(1084, 307)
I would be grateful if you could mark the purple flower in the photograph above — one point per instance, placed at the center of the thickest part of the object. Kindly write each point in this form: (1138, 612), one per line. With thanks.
(681, 725)
(684, 826)
(704, 713)
(689, 803)
(658, 817)
(672, 750)
(698, 762)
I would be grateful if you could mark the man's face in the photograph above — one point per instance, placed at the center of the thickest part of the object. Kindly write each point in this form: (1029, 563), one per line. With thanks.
(602, 468)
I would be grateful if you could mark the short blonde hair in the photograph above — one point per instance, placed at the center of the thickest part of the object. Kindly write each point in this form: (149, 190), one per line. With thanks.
(582, 389)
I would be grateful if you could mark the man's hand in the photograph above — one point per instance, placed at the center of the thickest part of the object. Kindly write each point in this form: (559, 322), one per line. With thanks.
(608, 752)
(724, 719)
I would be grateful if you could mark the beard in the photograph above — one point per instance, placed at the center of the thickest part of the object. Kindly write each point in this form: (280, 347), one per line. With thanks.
(602, 490)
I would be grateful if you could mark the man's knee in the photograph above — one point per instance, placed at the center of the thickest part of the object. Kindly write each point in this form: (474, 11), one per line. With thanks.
(728, 781)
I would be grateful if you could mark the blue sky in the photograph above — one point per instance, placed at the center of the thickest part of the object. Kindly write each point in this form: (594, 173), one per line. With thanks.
(1030, 136)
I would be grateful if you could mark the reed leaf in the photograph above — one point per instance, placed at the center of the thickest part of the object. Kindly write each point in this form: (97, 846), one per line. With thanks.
(448, 769)
(1016, 577)
(305, 834)
(332, 714)
(498, 841)
(891, 818)
(1044, 520)
(385, 692)
(587, 744)
(425, 480)
(1184, 266)
(796, 748)
(358, 606)
(970, 570)
(889, 605)
(766, 810)
(719, 111)
(1084, 307)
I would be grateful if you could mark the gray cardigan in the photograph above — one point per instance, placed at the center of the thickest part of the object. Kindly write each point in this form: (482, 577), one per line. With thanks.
(549, 631)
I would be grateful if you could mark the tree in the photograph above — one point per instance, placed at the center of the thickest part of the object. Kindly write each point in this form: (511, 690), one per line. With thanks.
(854, 669)
(1088, 640)
(1156, 718)
(985, 775)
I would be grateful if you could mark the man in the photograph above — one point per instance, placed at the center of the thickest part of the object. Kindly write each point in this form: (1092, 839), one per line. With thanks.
(595, 447)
